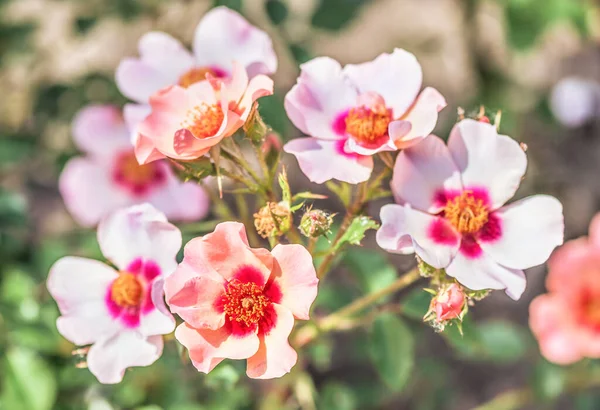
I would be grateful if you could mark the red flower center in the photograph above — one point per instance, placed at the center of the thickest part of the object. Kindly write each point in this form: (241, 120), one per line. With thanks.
(467, 213)
(368, 125)
(204, 120)
(131, 174)
(127, 291)
(244, 302)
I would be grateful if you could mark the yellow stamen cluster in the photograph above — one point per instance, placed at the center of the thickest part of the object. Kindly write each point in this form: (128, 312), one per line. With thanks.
(126, 290)
(195, 75)
(135, 173)
(244, 302)
(367, 126)
(204, 120)
(466, 213)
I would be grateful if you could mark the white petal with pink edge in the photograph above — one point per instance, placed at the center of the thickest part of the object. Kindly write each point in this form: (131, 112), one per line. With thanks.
(223, 36)
(79, 287)
(100, 130)
(140, 231)
(487, 160)
(319, 99)
(88, 190)
(296, 277)
(531, 229)
(397, 77)
(392, 235)
(422, 172)
(422, 116)
(159, 320)
(322, 160)
(275, 357)
(482, 272)
(108, 359)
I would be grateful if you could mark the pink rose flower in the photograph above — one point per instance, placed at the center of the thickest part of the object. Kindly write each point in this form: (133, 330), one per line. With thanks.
(450, 209)
(109, 177)
(566, 321)
(240, 303)
(121, 313)
(449, 303)
(222, 36)
(355, 112)
(185, 123)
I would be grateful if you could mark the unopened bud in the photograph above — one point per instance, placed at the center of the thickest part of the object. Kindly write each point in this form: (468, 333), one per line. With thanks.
(315, 223)
(273, 219)
(448, 304)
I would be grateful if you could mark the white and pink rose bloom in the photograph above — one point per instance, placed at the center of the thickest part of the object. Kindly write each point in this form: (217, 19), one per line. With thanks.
(354, 112)
(108, 177)
(566, 321)
(222, 37)
(450, 209)
(119, 312)
(239, 302)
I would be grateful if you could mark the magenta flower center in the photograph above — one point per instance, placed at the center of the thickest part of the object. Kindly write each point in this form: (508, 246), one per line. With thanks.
(127, 291)
(244, 302)
(466, 213)
(130, 173)
(204, 120)
(368, 125)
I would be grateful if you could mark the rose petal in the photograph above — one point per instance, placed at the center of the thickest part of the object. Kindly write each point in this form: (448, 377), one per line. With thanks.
(392, 236)
(100, 130)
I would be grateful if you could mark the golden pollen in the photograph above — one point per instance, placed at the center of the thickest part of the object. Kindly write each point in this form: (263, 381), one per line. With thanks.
(135, 173)
(126, 290)
(466, 213)
(244, 302)
(195, 75)
(367, 126)
(204, 120)
(272, 219)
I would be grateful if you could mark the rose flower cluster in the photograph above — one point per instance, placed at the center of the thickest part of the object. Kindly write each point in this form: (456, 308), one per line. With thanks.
(239, 290)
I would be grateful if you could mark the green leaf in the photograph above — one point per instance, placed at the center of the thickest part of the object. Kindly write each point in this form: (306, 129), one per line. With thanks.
(277, 11)
(335, 14)
(356, 231)
(549, 380)
(372, 270)
(307, 195)
(392, 350)
(502, 341)
(232, 4)
(416, 304)
(273, 113)
(342, 190)
(28, 382)
(300, 53)
(337, 396)
(286, 193)
(13, 150)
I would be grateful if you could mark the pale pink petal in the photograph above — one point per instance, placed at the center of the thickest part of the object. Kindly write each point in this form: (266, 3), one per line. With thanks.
(259, 86)
(109, 358)
(322, 160)
(275, 357)
(487, 160)
(392, 236)
(296, 277)
(550, 323)
(134, 114)
(145, 150)
(159, 320)
(195, 300)
(434, 239)
(595, 231)
(140, 231)
(531, 229)
(397, 77)
(138, 80)
(321, 96)
(482, 272)
(422, 116)
(354, 147)
(208, 347)
(224, 36)
(574, 256)
(226, 250)
(181, 201)
(79, 287)
(422, 173)
(100, 130)
(89, 192)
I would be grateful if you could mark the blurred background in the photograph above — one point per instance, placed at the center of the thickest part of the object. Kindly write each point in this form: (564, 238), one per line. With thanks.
(536, 60)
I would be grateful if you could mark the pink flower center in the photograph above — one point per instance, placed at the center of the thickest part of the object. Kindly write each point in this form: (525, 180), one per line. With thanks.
(131, 174)
(368, 125)
(467, 213)
(204, 120)
(127, 291)
(244, 302)
(197, 74)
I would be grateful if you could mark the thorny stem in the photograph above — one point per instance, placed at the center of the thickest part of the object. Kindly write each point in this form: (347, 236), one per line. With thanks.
(337, 320)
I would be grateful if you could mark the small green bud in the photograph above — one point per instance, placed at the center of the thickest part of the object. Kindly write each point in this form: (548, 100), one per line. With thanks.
(315, 223)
